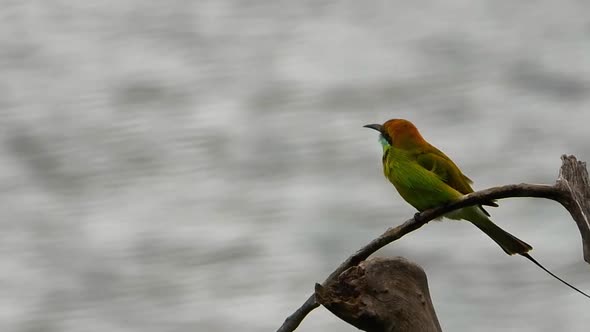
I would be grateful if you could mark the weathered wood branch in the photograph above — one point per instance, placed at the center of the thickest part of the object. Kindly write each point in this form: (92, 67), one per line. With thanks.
(573, 181)
(572, 190)
(382, 295)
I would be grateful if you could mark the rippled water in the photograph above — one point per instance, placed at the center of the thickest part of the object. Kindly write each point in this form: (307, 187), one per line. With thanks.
(199, 165)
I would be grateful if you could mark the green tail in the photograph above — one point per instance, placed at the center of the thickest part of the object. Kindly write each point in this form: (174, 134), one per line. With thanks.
(508, 242)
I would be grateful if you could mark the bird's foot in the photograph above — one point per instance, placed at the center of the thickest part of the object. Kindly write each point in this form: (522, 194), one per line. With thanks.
(418, 217)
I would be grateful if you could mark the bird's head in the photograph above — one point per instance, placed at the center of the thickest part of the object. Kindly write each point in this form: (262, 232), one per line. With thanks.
(398, 133)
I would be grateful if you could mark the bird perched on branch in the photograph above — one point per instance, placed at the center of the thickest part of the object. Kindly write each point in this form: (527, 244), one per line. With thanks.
(426, 178)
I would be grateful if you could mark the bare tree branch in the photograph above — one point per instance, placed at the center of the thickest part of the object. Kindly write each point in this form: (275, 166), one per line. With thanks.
(574, 182)
(572, 190)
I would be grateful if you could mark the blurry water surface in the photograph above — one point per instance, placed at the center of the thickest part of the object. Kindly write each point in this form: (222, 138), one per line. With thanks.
(199, 165)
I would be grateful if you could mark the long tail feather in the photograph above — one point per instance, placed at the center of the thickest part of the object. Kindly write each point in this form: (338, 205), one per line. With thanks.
(553, 275)
(508, 242)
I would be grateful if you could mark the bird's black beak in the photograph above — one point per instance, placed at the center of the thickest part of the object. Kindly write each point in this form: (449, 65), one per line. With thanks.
(374, 126)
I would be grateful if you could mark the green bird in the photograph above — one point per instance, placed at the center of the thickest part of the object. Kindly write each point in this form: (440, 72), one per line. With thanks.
(426, 178)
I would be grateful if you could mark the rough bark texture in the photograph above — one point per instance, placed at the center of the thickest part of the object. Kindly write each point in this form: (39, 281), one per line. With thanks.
(573, 180)
(572, 190)
(382, 295)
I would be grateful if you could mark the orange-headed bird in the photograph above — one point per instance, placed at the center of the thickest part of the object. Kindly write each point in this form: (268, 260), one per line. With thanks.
(426, 178)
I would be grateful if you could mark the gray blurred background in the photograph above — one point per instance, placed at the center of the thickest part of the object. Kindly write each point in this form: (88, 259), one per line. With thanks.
(199, 165)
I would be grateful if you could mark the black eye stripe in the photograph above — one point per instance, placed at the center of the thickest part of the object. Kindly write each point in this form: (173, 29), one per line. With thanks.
(387, 138)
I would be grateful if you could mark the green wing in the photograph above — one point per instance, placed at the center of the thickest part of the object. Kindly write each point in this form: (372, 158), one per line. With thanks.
(437, 162)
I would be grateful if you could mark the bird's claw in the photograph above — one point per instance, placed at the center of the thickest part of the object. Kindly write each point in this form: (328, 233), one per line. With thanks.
(418, 216)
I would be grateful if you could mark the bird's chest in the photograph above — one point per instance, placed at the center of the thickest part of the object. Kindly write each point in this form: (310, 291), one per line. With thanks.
(404, 176)
(415, 184)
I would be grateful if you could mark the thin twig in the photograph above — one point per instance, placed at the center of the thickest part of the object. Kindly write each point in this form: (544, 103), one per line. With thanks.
(557, 192)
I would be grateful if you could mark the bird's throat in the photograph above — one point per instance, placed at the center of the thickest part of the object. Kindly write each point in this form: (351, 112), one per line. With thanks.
(384, 143)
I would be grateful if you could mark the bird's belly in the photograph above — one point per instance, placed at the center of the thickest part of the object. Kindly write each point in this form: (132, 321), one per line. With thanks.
(422, 199)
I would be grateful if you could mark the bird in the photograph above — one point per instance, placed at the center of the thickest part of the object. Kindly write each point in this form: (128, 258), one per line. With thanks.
(425, 177)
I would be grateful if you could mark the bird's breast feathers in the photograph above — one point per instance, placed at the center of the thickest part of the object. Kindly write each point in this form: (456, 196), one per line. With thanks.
(417, 185)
